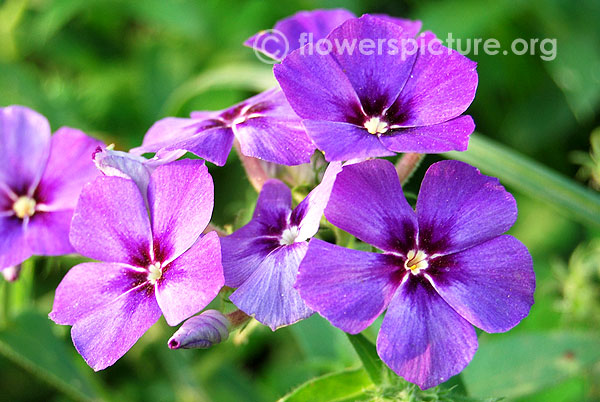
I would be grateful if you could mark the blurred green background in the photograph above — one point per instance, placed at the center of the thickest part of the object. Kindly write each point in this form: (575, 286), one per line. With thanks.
(112, 68)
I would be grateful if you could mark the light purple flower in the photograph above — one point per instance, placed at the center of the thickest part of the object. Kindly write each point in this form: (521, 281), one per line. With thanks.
(376, 102)
(261, 259)
(154, 262)
(444, 268)
(265, 126)
(304, 27)
(41, 177)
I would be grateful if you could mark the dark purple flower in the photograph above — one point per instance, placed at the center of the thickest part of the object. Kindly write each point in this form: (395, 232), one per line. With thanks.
(155, 262)
(201, 331)
(444, 268)
(265, 126)
(392, 97)
(305, 27)
(41, 177)
(261, 259)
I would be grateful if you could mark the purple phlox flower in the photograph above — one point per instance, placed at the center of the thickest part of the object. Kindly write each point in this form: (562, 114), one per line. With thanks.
(261, 259)
(201, 331)
(155, 260)
(41, 177)
(305, 27)
(265, 126)
(381, 99)
(130, 166)
(443, 269)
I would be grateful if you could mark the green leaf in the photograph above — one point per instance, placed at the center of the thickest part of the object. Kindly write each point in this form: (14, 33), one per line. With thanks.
(521, 364)
(29, 342)
(368, 356)
(532, 178)
(346, 385)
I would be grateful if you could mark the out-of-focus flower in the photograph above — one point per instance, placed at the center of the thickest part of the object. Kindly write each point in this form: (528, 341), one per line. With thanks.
(41, 177)
(261, 259)
(406, 97)
(154, 263)
(444, 268)
(265, 126)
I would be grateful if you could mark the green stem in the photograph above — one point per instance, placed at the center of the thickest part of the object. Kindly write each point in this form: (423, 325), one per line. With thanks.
(367, 353)
(407, 164)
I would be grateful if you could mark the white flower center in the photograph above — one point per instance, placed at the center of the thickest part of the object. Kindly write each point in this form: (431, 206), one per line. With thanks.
(154, 272)
(24, 207)
(289, 235)
(416, 261)
(375, 126)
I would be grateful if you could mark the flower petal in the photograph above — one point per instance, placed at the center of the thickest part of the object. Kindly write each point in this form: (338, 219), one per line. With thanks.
(344, 141)
(108, 332)
(48, 233)
(268, 294)
(317, 88)
(90, 286)
(367, 201)
(14, 247)
(442, 85)
(191, 281)
(111, 222)
(181, 198)
(410, 28)
(295, 30)
(307, 215)
(452, 135)
(350, 288)
(275, 139)
(207, 139)
(24, 148)
(247, 247)
(422, 338)
(491, 285)
(69, 167)
(376, 71)
(458, 207)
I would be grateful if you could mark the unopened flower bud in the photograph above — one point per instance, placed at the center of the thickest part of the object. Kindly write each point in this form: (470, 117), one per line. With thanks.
(202, 331)
(11, 274)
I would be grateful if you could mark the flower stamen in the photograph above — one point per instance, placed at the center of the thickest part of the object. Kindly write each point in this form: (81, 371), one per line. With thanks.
(416, 261)
(289, 235)
(376, 126)
(154, 272)
(24, 207)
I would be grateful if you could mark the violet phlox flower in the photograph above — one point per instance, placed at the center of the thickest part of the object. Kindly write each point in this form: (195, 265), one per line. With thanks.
(155, 260)
(41, 177)
(265, 126)
(361, 104)
(261, 259)
(444, 268)
(305, 27)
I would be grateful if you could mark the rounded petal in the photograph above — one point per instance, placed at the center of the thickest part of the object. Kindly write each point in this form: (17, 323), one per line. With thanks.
(69, 167)
(296, 29)
(24, 148)
(367, 202)
(452, 135)
(376, 67)
(350, 288)
(191, 281)
(491, 285)
(273, 206)
(409, 27)
(422, 338)
(317, 88)
(111, 222)
(108, 332)
(14, 247)
(268, 295)
(48, 233)
(442, 85)
(181, 198)
(458, 208)
(344, 141)
(90, 286)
